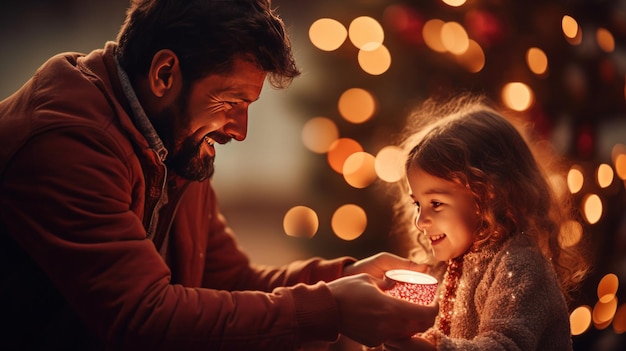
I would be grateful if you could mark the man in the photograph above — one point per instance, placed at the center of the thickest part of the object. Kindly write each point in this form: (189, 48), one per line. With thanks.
(110, 234)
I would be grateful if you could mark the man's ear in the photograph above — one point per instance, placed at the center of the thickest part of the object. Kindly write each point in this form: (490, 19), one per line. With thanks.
(164, 72)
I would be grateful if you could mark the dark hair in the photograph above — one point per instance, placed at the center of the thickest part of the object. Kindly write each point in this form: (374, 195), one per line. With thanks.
(206, 35)
(468, 142)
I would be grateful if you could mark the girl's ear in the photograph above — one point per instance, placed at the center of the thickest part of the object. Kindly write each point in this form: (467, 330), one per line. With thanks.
(164, 74)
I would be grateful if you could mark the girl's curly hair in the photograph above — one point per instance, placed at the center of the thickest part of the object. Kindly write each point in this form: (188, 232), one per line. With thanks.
(515, 183)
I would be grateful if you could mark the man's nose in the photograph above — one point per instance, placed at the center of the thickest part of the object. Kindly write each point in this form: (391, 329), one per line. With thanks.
(238, 127)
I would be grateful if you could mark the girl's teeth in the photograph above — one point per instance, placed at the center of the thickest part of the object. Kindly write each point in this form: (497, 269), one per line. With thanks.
(437, 237)
(209, 141)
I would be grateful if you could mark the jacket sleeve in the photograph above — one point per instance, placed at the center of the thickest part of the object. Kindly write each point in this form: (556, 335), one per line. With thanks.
(67, 199)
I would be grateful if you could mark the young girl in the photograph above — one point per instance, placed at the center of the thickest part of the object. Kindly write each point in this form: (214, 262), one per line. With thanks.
(484, 205)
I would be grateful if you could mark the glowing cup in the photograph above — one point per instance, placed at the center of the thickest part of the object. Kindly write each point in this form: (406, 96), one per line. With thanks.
(412, 286)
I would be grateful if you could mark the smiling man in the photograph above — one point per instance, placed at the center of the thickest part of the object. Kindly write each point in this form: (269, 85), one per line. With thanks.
(110, 233)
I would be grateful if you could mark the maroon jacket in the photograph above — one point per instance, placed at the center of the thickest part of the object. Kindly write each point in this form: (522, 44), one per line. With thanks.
(78, 188)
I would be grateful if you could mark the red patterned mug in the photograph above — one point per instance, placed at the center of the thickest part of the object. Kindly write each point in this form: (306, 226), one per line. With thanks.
(412, 286)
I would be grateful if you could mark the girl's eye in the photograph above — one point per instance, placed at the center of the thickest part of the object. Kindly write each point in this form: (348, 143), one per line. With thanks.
(437, 204)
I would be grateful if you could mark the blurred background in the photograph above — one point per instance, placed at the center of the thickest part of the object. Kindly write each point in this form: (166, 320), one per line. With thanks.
(313, 177)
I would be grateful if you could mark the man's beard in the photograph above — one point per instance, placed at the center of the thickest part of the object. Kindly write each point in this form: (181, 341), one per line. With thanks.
(188, 162)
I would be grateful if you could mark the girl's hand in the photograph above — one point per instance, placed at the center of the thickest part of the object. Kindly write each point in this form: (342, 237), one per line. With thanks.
(413, 344)
(378, 264)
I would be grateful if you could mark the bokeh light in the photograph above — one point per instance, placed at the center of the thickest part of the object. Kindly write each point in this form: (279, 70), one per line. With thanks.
(319, 134)
(340, 150)
(517, 96)
(358, 170)
(473, 60)
(575, 179)
(558, 182)
(569, 26)
(327, 34)
(389, 163)
(375, 61)
(592, 208)
(605, 40)
(431, 32)
(571, 30)
(366, 32)
(356, 105)
(603, 313)
(301, 222)
(454, 38)
(619, 324)
(580, 320)
(571, 233)
(537, 61)
(604, 175)
(405, 21)
(607, 288)
(349, 222)
(620, 162)
(454, 3)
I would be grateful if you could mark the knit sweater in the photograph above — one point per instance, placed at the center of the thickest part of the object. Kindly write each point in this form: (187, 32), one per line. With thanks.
(508, 298)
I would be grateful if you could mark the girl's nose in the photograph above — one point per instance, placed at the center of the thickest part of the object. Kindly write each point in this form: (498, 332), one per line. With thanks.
(421, 221)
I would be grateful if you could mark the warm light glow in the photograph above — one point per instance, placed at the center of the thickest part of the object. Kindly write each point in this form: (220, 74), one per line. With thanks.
(319, 133)
(473, 59)
(327, 34)
(580, 320)
(575, 179)
(559, 184)
(607, 288)
(570, 234)
(389, 164)
(605, 39)
(454, 3)
(349, 222)
(376, 61)
(604, 175)
(431, 32)
(356, 105)
(517, 96)
(358, 170)
(366, 32)
(340, 150)
(603, 313)
(301, 222)
(570, 27)
(592, 208)
(454, 38)
(620, 166)
(537, 61)
(571, 30)
(619, 324)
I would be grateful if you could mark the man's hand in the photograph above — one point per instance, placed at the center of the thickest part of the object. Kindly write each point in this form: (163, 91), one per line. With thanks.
(369, 316)
(412, 344)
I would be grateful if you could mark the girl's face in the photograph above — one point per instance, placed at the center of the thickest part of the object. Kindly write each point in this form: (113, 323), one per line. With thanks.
(446, 213)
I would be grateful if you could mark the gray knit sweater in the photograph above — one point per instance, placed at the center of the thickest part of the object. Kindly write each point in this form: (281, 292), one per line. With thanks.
(508, 298)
